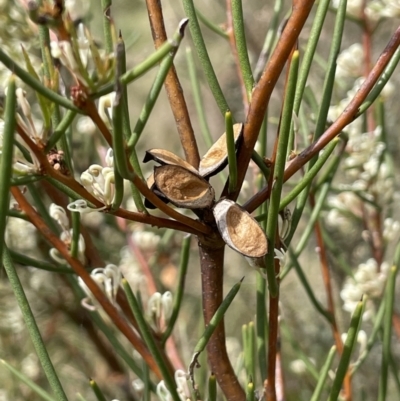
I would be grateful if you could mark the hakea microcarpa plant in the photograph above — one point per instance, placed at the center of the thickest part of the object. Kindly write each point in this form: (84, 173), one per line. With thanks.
(83, 73)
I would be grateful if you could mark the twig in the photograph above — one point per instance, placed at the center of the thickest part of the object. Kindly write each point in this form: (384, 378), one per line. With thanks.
(349, 112)
(270, 383)
(173, 88)
(263, 90)
(232, 42)
(76, 265)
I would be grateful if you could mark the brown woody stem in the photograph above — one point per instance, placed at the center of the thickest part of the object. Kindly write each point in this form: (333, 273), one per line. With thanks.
(173, 88)
(211, 251)
(263, 90)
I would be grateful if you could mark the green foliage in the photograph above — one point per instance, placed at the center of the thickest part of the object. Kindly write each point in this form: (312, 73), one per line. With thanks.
(101, 263)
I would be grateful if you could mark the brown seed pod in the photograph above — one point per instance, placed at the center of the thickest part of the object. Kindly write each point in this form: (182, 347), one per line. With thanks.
(152, 185)
(183, 188)
(239, 230)
(216, 159)
(165, 157)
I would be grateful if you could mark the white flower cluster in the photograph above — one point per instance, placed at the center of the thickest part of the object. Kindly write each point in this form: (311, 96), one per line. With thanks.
(147, 241)
(59, 214)
(108, 279)
(21, 166)
(99, 181)
(375, 10)
(78, 57)
(368, 280)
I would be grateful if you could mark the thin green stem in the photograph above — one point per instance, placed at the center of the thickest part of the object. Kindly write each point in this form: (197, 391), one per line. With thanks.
(241, 46)
(151, 99)
(97, 391)
(61, 129)
(218, 315)
(377, 89)
(231, 150)
(184, 261)
(309, 176)
(209, 24)
(250, 392)
(7, 157)
(150, 342)
(126, 129)
(387, 331)
(309, 228)
(204, 57)
(348, 347)
(212, 388)
(31, 384)
(39, 264)
(307, 60)
(205, 129)
(270, 39)
(32, 327)
(107, 26)
(323, 375)
(76, 230)
(149, 63)
(283, 140)
(35, 84)
(307, 287)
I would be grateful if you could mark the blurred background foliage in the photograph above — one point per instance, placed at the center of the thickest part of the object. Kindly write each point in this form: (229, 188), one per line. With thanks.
(78, 350)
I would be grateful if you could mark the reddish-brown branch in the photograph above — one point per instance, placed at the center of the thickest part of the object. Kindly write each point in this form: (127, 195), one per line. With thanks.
(211, 251)
(350, 111)
(232, 41)
(182, 222)
(334, 130)
(173, 88)
(263, 90)
(59, 198)
(326, 277)
(79, 269)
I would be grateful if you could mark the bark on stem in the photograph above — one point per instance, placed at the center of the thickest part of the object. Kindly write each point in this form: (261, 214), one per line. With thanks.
(212, 262)
(173, 88)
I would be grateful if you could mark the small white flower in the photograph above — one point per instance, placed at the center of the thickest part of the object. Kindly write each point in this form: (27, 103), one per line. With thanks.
(99, 181)
(77, 9)
(138, 386)
(108, 279)
(280, 254)
(367, 281)
(81, 206)
(106, 103)
(159, 310)
(350, 62)
(181, 379)
(58, 213)
(162, 392)
(391, 228)
(146, 240)
(298, 366)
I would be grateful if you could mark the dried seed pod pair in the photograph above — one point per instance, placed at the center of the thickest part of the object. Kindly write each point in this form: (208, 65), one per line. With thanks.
(178, 182)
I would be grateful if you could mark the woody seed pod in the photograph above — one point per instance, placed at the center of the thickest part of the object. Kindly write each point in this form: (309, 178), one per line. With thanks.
(152, 185)
(183, 188)
(239, 230)
(216, 159)
(165, 157)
